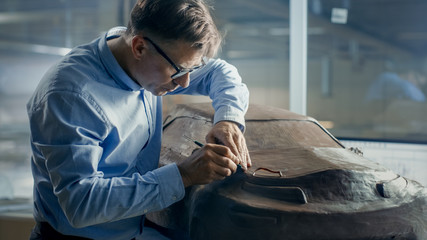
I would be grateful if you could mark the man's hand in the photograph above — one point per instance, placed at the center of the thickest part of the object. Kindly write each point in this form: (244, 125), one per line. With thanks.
(229, 134)
(211, 162)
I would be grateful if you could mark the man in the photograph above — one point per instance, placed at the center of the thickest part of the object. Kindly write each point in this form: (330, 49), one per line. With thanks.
(96, 123)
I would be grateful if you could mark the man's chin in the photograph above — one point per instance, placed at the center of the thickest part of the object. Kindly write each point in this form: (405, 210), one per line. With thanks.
(160, 93)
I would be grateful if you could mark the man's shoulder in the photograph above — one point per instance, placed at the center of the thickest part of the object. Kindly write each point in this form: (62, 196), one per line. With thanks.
(73, 73)
(78, 66)
(82, 57)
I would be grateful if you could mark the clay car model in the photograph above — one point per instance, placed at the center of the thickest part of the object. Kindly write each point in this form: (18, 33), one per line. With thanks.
(304, 184)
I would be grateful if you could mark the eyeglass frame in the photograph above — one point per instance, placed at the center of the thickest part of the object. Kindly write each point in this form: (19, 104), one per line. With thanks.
(179, 71)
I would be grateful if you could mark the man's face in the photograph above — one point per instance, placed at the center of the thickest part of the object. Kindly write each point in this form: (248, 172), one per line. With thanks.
(155, 72)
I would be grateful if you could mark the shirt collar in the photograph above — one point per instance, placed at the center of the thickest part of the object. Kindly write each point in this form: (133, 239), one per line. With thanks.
(111, 65)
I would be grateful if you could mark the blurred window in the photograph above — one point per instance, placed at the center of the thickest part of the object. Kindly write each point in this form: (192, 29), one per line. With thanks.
(34, 35)
(367, 68)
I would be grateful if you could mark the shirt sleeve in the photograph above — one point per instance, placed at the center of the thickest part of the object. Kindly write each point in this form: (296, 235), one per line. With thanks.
(68, 130)
(222, 83)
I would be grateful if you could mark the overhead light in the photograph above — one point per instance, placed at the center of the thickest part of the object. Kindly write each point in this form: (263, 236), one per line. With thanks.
(339, 15)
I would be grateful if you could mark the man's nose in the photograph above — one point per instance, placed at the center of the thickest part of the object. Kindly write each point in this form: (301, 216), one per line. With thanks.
(183, 81)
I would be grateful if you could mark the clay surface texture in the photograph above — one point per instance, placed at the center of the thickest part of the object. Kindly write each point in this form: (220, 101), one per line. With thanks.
(304, 184)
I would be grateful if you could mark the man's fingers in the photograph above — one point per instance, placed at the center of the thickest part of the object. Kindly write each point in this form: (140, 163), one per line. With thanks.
(233, 147)
(211, 162)
(222, 173)
(249, 160)
(244, 153)
(239, 149)
(226, 161)
(223, 151)
(240, 153)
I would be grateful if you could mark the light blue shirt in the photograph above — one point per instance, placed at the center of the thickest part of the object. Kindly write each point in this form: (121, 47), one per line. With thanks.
(96, 138)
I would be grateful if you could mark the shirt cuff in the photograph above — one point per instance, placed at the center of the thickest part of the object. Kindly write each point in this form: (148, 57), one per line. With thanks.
(170, 182)
(228, 113)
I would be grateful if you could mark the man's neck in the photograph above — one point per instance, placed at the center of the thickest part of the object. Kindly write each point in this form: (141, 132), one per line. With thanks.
(120, 51)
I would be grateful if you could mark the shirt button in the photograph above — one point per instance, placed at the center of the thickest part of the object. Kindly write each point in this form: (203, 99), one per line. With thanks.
(145, 210)
(174, 198)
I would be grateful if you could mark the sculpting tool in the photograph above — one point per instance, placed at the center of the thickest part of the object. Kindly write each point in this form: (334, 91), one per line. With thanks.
(195, 141)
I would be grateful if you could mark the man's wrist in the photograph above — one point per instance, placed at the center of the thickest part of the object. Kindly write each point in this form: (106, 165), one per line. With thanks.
(237, 124)
(231, 114)
(184, 177)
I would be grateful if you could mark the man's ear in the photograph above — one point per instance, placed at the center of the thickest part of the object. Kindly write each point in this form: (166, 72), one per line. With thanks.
(138, 46)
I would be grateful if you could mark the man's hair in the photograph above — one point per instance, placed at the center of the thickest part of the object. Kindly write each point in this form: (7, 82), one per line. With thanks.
(187, 20)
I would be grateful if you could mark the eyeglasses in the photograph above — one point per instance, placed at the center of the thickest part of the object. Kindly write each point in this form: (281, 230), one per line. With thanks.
(179, 71)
